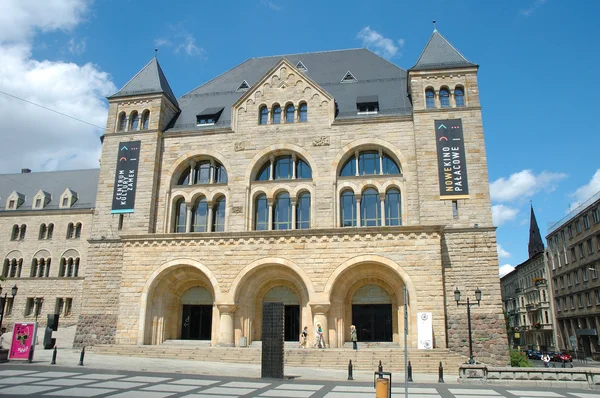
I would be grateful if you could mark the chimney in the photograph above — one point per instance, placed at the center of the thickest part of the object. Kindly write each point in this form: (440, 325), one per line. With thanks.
(25, 171)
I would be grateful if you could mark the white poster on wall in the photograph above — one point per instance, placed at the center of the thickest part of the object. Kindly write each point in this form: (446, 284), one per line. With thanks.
(425, 330)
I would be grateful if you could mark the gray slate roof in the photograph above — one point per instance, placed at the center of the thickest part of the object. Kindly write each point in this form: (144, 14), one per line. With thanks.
(83, 182)
(149, 80)
(440, 54)
(375, 75)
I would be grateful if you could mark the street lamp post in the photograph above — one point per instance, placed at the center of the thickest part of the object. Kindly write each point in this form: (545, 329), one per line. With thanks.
(4, 299)
(38, 303)
(468, 304)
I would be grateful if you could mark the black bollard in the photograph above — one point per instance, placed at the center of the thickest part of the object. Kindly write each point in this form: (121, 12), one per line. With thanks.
(81, 356)
(441, 373)
(30, 356)
(53, 357)
(409, 372)
(380, 369)
(350, 371)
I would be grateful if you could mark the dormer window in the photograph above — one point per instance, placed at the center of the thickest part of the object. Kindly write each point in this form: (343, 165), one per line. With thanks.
(41, 199)
(300, 66)
(38, 203)
(14, 201)
(68, 199)
(367, 105)
(244, 86)
(11, 204)
(349, 78)
(208, 117)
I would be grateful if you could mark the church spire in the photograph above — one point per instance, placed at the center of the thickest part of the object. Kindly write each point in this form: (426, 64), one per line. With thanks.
(535, 239)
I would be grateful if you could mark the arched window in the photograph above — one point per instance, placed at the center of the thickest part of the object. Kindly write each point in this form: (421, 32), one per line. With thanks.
(184, 178)
(368, 163)
(303, 211)
(370, 209)
(34, 267)
(218, 221)
(459, 96)
(121, 122)
(180, 215)
(283, 167)
(203, 172)
(200, 215)
(282, 212)
(15, 268)
(43, 231)
(145, 119)
(264, 172)
(76, 268)
(70, 268)
(393, 211)
(22, 232)
(290, 113)
(348, 209)
(276, 114)
(5, 268)
(15, 232)
(303, 169)
(389, 166)
(349, 168)
(70, 231)
(261, 213)
(220, 174)
(263, 115)
(444, 98)
(78, 231)
(429, 98)
(134, 120)
(61, 267)
(50, 231)
(303, 112)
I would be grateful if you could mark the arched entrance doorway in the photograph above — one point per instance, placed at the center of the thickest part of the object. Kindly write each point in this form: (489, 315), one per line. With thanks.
(291, 302)
(179, 306)
(372, 313)
(196, 320)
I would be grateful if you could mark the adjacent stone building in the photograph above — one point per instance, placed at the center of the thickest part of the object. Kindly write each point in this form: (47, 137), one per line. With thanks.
(328, 181)
(573, 254)
(527, 299)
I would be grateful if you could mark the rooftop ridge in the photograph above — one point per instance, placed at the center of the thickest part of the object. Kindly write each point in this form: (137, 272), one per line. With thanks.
(311, 52)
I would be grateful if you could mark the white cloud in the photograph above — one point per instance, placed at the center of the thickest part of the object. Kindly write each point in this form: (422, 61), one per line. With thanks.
(586, 191)
(523, 184)
(271, 4)
(188, 45)
(381, 45)
(77, 47)
(36, 138)
(501, 252)
(502, 214)
(162, 42)
(505, 270)
(536, 4)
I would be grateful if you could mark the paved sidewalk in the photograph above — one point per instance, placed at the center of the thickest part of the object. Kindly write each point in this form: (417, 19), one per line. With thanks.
(70, 358)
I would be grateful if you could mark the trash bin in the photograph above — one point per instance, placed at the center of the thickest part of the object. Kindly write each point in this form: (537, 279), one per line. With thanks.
(382, 389)
(243, 341)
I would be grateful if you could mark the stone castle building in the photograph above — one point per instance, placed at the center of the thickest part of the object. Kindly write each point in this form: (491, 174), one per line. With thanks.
(328, 181)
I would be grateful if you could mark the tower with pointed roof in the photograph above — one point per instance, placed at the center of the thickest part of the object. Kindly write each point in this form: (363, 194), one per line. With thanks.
(536, 245)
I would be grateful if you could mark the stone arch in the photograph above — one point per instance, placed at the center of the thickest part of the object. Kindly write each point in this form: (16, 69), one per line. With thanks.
(160, 312)
(358, 271)
(14, 254)
(262, 156)
(255, 280)
(180, 164)
(348, 150)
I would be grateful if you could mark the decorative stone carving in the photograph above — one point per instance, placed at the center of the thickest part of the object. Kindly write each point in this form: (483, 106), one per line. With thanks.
(237, 209)
(239, 146)
(321, 141)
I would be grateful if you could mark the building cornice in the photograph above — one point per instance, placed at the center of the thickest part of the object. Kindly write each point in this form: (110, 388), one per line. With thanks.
(44, 213)
(371, 120)
(456, 109)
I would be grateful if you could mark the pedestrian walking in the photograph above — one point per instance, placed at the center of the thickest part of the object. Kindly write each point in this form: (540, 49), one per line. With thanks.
(303, 337)
(319, 342)
(353, 337)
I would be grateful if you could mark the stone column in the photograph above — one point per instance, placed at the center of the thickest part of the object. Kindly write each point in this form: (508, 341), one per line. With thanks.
(211, 172)
(293, 201)
(293, 167)
(356, 162)
(380, 161)
(209, 216)
(270, 218)
(358, 197)
(320, 317)
(226, 333)
(382, 207)
(192, 167)
(271, 167)
(188, 218)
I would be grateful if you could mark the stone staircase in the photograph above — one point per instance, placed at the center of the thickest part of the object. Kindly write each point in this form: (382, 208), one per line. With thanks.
(364, 359)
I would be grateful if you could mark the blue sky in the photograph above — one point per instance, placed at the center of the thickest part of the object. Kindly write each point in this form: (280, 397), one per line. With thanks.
(537, 60)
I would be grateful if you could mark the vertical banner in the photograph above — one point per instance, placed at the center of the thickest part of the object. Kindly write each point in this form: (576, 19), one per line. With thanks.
(126, 177)
(424, 331)
(23, 339)
(452, 166)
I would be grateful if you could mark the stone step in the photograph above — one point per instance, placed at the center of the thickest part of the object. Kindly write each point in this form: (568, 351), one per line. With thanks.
(365, 359)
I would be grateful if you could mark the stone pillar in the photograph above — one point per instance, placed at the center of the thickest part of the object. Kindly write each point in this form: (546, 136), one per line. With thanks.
(226, 333)
(382, 207)
(358, 197)
(293, 201)
(188, 218)
(320, 317)
(209, 216)
(271, 167)
(293, 167)
(380, 161)
(192, 166)
(356, 162)
(270, 218)
(211, 172)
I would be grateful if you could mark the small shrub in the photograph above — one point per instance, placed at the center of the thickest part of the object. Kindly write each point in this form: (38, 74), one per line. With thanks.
(518, 359)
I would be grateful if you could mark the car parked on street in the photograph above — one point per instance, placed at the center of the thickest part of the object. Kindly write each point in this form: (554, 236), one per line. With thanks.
(533, 354)
(562, 357)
